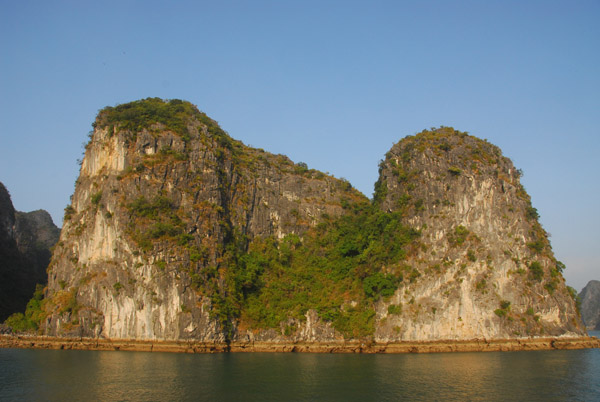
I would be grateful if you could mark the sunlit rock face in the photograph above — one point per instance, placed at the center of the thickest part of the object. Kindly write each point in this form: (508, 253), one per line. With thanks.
(167, 203)
(485, 268)
(155, 208)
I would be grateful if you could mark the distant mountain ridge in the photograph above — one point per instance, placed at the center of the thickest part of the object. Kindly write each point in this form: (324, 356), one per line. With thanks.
(590, 305)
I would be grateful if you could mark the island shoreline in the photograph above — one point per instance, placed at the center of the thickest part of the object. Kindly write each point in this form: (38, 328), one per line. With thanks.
(183, 346)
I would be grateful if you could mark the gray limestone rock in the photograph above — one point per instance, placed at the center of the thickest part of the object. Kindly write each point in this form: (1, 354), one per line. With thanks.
(590, 305)
(26, 239)
(482, 245)
(163, 210)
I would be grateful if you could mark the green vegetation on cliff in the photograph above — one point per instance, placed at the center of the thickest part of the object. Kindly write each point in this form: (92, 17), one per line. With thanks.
(340, 268)
(175, 115)
(255, 243)
(33, 316)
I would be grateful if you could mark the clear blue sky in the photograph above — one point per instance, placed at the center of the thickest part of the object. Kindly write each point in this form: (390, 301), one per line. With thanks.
(330, 83)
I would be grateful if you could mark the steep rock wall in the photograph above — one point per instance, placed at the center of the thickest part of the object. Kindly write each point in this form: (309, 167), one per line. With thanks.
(168, 208)
(11, 260)
(157, 220)
(590, 305)
(26, 239)
(485, 268)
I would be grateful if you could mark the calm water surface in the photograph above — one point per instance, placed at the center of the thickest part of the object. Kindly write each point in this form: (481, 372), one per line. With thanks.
(48, 375)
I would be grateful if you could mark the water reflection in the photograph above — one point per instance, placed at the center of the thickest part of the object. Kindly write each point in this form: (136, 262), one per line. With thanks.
(129, 376)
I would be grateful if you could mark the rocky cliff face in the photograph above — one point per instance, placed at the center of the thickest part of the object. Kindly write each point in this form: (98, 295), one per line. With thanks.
(177, 231)
(25, 243)
(36, 234)
(590, 305)
(10, 258)
(485, 266)
(159, 217)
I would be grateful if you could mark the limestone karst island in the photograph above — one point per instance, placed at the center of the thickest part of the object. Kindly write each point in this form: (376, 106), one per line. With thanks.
(180, 237)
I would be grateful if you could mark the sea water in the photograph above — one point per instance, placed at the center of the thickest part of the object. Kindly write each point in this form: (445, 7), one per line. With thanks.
(66, 375)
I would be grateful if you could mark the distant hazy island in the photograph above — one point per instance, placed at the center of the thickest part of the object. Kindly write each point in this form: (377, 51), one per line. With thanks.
(590, 305)
(178, 234)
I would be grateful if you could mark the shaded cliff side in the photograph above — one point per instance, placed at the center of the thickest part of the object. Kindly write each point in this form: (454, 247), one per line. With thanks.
(590, 305)
(25, 242)
(177, 231)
